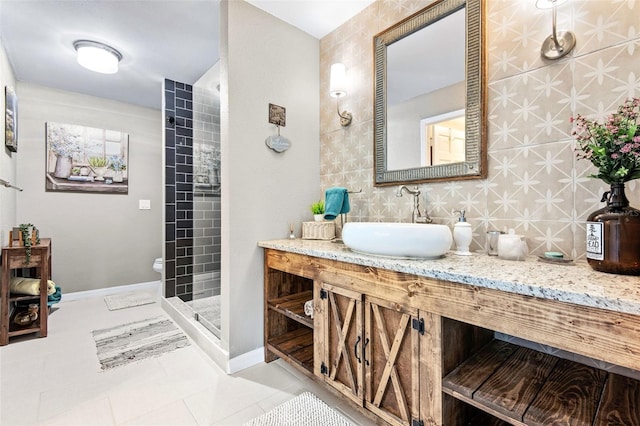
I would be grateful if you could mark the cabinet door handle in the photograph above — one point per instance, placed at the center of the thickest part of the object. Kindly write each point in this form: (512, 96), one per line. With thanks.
(355, 349)
(364, 351)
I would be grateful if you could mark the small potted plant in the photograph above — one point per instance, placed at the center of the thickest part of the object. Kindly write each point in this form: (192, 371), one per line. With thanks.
(30, 236)
(118, 165)
(317, 209)
(98, 166)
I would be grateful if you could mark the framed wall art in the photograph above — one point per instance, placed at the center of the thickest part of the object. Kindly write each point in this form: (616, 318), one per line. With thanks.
(277, 115)
(86, 159)
(11, 119)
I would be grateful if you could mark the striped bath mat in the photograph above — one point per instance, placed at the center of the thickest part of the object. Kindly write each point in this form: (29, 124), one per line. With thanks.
(128, 300)
(137, 340)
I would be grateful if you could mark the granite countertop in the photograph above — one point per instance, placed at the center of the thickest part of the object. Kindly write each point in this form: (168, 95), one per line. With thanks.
(574, 283)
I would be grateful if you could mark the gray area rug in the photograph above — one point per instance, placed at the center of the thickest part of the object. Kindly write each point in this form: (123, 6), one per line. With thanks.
(128, 300)
(305, 409)
(137, 340)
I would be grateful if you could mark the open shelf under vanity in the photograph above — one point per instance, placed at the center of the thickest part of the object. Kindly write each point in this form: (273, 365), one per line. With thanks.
(521, 386)
(288, 331)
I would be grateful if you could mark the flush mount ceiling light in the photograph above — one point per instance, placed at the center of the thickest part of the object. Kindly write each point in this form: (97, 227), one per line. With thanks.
(559, 43)
(97, 56)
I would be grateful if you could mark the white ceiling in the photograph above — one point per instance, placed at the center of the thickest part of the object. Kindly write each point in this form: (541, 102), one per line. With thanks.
(315, 17)
(175, 39)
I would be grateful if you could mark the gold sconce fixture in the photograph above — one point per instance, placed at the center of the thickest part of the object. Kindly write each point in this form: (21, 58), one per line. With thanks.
(559, 43)
(338, 89)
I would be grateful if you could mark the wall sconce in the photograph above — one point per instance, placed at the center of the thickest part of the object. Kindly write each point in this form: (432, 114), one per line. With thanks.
(559, 43)
(338, 89)
(97, 56)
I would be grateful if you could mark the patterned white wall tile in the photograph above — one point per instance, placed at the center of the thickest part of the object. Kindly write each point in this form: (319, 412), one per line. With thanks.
(604, 79)
(602, 23)
(513, 43)
(532, 183)
(535, 184)
(531, 108)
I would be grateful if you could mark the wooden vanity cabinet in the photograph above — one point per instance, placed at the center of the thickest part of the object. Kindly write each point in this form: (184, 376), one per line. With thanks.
(417, 351)
(371, 352)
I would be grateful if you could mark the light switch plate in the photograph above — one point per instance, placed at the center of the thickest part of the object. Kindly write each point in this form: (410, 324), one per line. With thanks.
(144, 204)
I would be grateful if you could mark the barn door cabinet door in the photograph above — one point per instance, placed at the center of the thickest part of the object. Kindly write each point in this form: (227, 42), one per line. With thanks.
(371, 352)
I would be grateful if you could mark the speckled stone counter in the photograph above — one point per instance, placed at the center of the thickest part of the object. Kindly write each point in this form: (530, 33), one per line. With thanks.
(574, 283)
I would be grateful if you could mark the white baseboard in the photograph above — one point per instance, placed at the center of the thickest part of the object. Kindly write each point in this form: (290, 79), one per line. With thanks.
(246, 360)
(79, 295)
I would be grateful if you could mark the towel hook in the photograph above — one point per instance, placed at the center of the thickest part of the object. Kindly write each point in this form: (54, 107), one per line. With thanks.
(9, 185)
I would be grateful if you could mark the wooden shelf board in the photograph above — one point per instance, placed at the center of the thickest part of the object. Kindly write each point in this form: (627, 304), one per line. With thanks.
(512, 388)
(482, 407)
(525, 387)
(292, 306)
(20, 331)
(572, 391)
(293, 340)
(296, 346)
(18, 297)
(619, 404)
(470, 375)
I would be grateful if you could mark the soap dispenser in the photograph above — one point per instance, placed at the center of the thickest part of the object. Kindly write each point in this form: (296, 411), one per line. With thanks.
(462, 235)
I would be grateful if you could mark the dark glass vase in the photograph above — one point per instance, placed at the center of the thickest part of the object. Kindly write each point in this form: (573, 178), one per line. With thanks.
(613, 235)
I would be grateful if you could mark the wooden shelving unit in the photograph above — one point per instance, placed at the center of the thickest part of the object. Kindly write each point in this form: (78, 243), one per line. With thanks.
(288, 331)
(40, 262)
(522, 386)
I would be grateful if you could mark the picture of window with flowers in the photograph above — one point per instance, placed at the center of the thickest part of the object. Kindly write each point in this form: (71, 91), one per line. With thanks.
(86, 159)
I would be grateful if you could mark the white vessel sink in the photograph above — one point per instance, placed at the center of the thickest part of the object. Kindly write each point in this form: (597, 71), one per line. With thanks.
(405, 240)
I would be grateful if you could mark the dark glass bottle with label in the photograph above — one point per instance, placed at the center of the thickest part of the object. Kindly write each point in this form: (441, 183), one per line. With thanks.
(613, 235)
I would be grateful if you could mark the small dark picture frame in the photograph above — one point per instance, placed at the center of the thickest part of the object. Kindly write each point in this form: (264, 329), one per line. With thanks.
(11, 119)
(277, 115)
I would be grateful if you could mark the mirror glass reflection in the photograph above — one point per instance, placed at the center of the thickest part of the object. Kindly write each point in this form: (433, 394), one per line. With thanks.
(426, 95)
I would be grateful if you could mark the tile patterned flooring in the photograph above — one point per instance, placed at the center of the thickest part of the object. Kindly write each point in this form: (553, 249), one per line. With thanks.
(57, 380)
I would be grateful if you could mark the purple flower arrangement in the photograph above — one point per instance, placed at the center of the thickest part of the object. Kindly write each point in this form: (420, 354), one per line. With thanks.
(613, 146)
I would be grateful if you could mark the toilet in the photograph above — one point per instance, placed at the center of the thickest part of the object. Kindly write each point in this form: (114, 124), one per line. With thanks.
(157, 265)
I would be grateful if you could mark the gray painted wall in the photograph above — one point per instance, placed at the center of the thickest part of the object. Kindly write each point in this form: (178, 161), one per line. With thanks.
(8, 159)
(262, 191)
(98, 240)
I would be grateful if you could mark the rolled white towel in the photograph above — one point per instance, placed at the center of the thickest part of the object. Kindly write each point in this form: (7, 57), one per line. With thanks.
(30, 286)
(308, 308)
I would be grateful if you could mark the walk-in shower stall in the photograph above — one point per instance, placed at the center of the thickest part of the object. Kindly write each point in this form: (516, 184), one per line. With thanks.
(192, 198)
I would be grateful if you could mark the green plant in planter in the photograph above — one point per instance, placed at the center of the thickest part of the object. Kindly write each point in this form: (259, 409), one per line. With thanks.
(98, 162)
(25, 229)
(318, 207)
